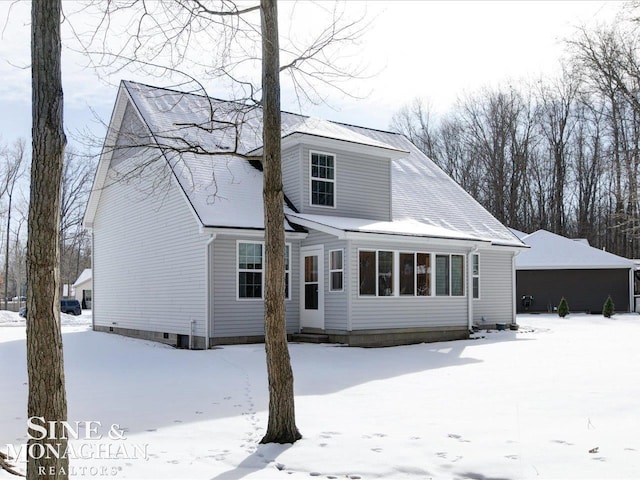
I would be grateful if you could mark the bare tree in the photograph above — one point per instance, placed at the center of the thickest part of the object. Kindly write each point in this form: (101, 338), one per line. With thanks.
(13, 171)
(168, 38)
(281, 426)
(47, 395)
(77, 173)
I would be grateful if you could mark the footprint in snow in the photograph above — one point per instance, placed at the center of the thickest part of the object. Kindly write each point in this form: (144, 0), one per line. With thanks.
(562, 442)
(377, 450)
(152, 430)
(512, 457)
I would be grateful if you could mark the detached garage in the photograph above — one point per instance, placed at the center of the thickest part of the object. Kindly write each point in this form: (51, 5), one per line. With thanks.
(556, 267)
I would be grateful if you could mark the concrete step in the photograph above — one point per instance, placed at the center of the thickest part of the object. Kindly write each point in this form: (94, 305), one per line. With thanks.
(310, 338)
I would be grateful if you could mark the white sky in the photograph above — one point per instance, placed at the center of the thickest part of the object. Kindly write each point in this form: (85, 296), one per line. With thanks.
(432, 50)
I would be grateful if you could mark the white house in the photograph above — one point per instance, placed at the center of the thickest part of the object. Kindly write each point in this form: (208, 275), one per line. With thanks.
(382, 246)
(556, 267)
(83, 288)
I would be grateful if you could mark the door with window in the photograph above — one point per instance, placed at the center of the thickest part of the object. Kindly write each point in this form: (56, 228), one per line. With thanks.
(312, 289)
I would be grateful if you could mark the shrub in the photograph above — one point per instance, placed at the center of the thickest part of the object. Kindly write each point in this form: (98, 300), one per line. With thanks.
(609, 308)
(563, 308)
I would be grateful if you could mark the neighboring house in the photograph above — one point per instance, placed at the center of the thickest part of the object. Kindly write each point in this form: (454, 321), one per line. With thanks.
(556, 267)
(382, 246)
(83, 288)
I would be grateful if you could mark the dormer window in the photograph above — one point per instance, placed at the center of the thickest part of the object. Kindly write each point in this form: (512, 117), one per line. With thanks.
(323, 179)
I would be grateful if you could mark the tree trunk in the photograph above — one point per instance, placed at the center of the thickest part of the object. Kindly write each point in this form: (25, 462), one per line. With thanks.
(282, 426)
(47, 397)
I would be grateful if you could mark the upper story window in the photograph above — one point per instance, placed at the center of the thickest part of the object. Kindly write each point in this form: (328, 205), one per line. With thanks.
(323, 179)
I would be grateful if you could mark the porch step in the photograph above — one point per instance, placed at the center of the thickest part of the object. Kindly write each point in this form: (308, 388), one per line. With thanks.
(310, 338)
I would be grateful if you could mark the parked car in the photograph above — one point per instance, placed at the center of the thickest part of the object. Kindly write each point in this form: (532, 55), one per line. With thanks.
(70, 306)
(66, 306)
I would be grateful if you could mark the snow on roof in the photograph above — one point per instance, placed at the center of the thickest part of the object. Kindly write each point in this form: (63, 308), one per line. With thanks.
(550, 251)
(324, 128)
(406, 227)
(83, 277)
(581, 240)
(421, 191)
(518, 233)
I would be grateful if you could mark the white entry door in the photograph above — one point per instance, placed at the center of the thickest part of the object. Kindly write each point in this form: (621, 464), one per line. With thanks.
(312, 289)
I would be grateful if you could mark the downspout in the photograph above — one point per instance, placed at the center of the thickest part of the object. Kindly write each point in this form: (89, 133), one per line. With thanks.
(513, 287)
(473, 251)
(208, 284)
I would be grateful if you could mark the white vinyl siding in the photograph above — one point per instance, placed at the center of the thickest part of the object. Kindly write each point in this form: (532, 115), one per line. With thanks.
(240, 317)
(336, 305)
(149, 256)
(292, 174)
(363, 186)
(496, 283)
(401, 311)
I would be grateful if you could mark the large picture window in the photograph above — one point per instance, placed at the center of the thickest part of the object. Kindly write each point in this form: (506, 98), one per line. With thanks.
(251, 270)
(403, 274)
(323, 182)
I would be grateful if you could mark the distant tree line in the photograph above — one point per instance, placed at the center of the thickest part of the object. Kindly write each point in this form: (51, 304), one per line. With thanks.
(75, 244)
(561, 154)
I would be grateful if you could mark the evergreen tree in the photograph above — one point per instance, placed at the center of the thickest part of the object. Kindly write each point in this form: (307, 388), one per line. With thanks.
(563, 308)
(609, 307)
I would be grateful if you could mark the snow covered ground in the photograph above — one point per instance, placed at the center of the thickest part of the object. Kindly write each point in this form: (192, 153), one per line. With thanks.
(508, 405)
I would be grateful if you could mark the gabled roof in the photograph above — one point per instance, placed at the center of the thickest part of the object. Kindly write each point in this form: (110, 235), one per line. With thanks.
(83, 277)
(421, 192)
(554, 252)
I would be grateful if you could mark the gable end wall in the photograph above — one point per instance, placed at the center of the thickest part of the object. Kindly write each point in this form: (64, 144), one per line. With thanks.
(149, 257)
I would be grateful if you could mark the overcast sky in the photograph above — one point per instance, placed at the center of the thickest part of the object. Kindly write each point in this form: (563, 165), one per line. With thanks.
(432, 50)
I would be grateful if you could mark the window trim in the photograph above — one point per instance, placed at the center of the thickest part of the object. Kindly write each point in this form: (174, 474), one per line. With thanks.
(396, 273)
(334, 180)
(262, 270)
(464, 273)
(341, 270)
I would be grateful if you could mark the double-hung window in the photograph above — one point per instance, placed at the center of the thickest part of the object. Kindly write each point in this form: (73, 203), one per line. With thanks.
(323, 179)
(336, 270)
(450, 275)
(250, 268)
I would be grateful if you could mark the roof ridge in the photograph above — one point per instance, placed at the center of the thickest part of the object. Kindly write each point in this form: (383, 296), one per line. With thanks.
(202, 95)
